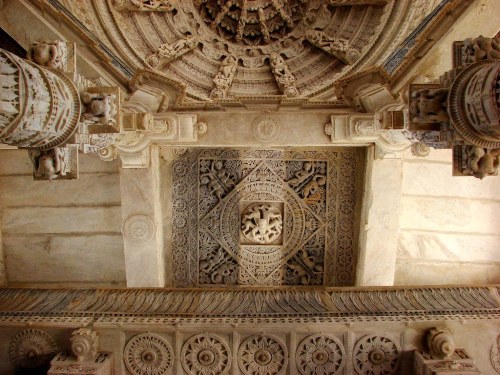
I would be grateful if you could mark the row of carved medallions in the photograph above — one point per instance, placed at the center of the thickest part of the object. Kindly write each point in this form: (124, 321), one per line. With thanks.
(209, 354)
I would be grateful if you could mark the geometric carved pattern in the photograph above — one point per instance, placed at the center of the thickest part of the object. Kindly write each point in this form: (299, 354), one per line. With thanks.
(32, 348)
(264, 217)
(262, 354)
(376, 354)
(320, 354)
(206, 354)
(148, 354)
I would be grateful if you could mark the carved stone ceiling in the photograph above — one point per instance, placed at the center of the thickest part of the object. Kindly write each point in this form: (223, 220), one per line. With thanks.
(264, 217)
(251, 48)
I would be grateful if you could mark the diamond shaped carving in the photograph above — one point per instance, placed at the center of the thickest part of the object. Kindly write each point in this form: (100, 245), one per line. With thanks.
(265, 217)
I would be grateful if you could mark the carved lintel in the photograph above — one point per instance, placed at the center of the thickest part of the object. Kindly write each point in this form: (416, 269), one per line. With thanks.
(336, 47)
(102, 110)
(59, 163)
(283, 75)
(168, 52)
(145, 5)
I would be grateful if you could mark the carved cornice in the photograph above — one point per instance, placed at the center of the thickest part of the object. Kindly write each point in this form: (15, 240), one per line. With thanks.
(330, 304)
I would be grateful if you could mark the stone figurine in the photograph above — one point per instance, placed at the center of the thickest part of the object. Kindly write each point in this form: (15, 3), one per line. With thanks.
(48, 53)
(482, 48)
(429, 106)
(99, 107)
(48, 164)
(482, 162)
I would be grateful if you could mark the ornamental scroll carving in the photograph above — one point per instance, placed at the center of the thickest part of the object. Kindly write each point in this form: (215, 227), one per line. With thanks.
(259, 217)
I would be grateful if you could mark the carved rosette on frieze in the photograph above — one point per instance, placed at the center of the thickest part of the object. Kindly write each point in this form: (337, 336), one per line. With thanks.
(258, 217)
(206, 354)
(376, 354)
(320, 354)
(148, 354)
(32, 348)
(262, 354)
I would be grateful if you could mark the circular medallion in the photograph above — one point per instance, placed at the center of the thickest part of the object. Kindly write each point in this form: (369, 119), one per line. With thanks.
(148, 354)
(206, 354)
(262, 223)
(32, 348)
(320, 354)
(262, 354)
(265, 128)
(376, 354)
(139, 229)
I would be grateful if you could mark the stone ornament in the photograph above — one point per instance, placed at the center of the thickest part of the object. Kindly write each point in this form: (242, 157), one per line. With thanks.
(168, 52)
(262, 354)
(84, 344)
(206, 354)
(32, 348)
(481, 48)
(283, 75)
(320, 354)
(139, 229)
(262, 223)
(429, 106)
(495, 355)
(49, 164)
(337, 47)
(376, 354)
(224, 77)
(52, 54)
(148, 354)
(440, 342)
(265, 128)
(102, 109)
(145, 5)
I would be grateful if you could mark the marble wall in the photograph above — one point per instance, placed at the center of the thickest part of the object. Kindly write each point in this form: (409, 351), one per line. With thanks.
(66, 232)
(448, 227)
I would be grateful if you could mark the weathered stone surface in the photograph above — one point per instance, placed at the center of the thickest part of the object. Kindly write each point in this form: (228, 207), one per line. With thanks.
(88, 259)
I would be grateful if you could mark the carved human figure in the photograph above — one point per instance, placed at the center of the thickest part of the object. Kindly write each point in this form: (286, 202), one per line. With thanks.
(313, 186)
(48, 53)
(283, 75)
(99, 107)
(179, 47)
(482, 162)
(336, 47)
(262, 223)
(48, 164)
(429, 106)
(142, 5)
(482, 48)
(224, 77)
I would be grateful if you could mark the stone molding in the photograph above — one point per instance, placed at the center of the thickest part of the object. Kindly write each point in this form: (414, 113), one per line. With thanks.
(328, 304)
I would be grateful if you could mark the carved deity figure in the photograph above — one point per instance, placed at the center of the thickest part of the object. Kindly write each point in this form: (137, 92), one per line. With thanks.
(283, 75)
(48, 164)
(429, 106)
(168, 52)
(159, 5)
(336, 47)
(99, 108)
(48, 53)
(482, 48)
(482, 162)
(262, 223)
(224, 77)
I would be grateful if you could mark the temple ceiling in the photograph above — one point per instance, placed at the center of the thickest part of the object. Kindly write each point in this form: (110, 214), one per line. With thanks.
(247, 49)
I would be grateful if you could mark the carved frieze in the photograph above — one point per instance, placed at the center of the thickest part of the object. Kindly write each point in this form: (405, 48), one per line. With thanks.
(260, 217)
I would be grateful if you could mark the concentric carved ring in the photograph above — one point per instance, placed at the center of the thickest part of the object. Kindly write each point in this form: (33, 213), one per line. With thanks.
(376, 354)
(265, 128)
(262, 354)
(148, 354)
(32, 348)
(139, 229)
(206, 354)
(320, 354)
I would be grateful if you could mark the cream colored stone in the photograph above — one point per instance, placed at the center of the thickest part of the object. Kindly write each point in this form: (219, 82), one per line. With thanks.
(82, 260)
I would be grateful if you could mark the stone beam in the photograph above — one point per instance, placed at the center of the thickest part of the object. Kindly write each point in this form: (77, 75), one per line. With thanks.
(142, 224)
(379, 228)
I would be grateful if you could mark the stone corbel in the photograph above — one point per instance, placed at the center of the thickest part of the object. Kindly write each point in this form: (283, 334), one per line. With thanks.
(145, 5)
(54, 54)
(168, 52)
(159, 128)
(336, 47)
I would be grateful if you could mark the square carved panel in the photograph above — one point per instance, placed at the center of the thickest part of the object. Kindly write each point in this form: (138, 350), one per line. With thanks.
(265, 217)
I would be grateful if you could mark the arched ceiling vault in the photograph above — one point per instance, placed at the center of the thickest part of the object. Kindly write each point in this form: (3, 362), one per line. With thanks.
(296, 50)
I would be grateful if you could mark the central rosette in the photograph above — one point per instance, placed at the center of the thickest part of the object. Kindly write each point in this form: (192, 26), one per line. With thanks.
(252, 22)
(262, 223)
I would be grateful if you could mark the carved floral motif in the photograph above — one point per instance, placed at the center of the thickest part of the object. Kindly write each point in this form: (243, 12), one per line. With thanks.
(148, 354)
(320, 354)
(376, 354)
(206, 354)
(32, 348)
(262, 354)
